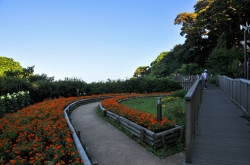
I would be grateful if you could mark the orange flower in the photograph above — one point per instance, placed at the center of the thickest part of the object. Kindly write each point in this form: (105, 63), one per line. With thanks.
(12, 161)
(144, 119)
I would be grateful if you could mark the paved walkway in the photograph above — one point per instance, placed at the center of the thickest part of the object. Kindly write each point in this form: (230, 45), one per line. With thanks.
(222, 136)
(108, 146)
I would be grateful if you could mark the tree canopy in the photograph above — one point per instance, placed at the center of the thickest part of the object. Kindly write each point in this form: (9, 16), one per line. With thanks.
(212, 39)
(8, 64)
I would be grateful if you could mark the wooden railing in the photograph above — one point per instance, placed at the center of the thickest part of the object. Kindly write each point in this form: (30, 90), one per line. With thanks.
(187, 81)
(186, 85)
(238, 90)
(183, 78)
(193, 101)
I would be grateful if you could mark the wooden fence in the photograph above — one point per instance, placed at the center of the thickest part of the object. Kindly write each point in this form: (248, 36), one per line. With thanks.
(151, 138)
(238, 90)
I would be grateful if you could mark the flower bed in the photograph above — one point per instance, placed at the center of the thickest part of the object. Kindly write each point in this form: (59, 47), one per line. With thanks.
(39, 134)
(143, 125)
(141, 118)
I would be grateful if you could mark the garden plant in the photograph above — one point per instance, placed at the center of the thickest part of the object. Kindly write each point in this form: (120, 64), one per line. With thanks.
(38, 134)
(142, 110)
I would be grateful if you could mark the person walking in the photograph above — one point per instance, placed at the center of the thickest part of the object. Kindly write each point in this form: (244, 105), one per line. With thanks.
(205, 77)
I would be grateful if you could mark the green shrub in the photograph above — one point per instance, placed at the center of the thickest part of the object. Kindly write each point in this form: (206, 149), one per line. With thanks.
(174, 109)
(135, 85)
(13, 85)
(12, 103)
(179, 93)
(213, 81)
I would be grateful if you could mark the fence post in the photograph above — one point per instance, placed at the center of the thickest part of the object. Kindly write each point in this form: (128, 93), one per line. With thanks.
(77, 92)
(159, 109)
(142, 134)
(189, 131)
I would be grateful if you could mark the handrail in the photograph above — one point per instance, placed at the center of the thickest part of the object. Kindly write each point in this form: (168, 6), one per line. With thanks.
(238, 90)
(193, 101)
(78, 144)
(76, 139)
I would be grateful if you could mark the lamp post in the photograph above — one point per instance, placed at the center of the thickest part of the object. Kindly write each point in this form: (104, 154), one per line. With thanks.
(246, 28)
(159, 109)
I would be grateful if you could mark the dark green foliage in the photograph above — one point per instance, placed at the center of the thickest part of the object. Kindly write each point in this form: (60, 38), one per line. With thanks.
(190, 69)
(135, 85)
(12, 85)
(179, 93)
(171, 62)
(42, 89)
(45, 89)
(221, 59)
(213, 81)
(42, 77)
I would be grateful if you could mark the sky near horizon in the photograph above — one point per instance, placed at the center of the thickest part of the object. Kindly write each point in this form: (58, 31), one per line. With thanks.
(92, 40)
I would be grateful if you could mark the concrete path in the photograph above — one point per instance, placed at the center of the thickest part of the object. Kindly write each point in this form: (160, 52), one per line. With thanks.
(108, 146)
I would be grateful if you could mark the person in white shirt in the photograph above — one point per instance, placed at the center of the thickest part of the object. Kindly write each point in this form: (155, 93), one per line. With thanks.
(205, 77)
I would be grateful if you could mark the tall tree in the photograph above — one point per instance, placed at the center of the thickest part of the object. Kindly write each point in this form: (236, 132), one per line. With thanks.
(141, 71)
(8, 64)
(159, 58)
(221, 59)
(197, 39)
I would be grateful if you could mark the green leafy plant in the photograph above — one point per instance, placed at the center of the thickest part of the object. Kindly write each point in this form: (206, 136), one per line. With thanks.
(179, 93)
(174, 109)
(214, 81)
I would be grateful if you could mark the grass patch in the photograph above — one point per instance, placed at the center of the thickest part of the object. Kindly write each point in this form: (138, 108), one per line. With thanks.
(163, 152)
(173, 108)
(144, 104)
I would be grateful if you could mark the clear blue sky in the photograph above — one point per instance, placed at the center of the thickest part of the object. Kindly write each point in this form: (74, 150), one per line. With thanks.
(89, 39)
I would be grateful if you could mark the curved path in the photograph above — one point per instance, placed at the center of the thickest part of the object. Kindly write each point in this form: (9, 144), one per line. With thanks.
(108, 146)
